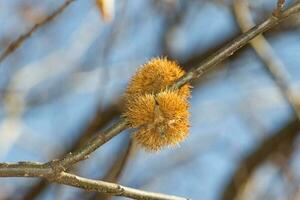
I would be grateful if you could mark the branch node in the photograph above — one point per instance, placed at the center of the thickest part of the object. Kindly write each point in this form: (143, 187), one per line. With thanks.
(56, 168)
(279, 9)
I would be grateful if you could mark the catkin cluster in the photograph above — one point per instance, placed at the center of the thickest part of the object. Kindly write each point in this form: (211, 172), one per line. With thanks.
(160, 115)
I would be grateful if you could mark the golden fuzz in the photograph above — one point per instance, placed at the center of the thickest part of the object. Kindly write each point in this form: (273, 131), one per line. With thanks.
(162, 119)
(155, 76)
(160, 116)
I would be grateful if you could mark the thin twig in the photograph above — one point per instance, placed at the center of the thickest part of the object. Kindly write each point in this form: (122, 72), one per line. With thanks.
(264, 50)
(276, 69)
(207, 64)
(84, 152)
(101, 119)
(30, 169)
(235, 45)
(18, 42)
(54, 170)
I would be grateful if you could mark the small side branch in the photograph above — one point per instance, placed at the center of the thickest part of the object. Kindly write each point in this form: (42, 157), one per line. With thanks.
(235, 45)
(264, 50)
(54, 171)
(280, 6)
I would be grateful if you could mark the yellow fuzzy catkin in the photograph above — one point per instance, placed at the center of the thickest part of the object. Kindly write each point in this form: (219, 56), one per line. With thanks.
(160, 115)
(162, 119)
(155, 76)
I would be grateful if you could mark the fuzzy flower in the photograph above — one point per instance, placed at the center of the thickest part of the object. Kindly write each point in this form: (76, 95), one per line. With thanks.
(155, 76)
(161, 120)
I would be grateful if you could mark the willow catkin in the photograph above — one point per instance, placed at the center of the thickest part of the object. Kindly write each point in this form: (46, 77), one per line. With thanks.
(160, 115)
(161, 119)
(155, 76)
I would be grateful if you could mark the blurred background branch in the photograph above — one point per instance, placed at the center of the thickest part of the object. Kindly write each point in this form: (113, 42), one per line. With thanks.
(15, 44)
(66, 78)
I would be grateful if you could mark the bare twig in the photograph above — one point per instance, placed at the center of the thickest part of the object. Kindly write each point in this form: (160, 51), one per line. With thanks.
(54, 170)
(29, 169)
(207, 64)
(84, 152)
(101, 119)
(264, 50)
(18, 42)
(282, 141)
(235, 45)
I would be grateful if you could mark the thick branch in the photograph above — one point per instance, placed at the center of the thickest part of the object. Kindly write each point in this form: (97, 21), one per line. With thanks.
(54, 170)
(27, 169)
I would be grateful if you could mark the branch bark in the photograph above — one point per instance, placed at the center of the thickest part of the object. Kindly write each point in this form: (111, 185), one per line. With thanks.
(30, 169)
(101, 119)
(264, 50)
(55, 170)
(280, 142)
(235, 45)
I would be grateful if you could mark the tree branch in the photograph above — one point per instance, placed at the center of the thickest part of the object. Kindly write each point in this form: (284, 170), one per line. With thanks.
(54, 170)
(101, 119)
(30, 169)
(235, 45)
(264, 50)
(84, 152)
(281, 141)
(207, 64)
(18, 42)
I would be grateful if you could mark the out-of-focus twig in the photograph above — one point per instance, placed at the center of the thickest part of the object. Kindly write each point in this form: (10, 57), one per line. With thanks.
(115, 172)
(235, 45)
(207, 64)
(283, 140)
(55, 170)
(15, 44)
(268, 147)
(264, 51)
